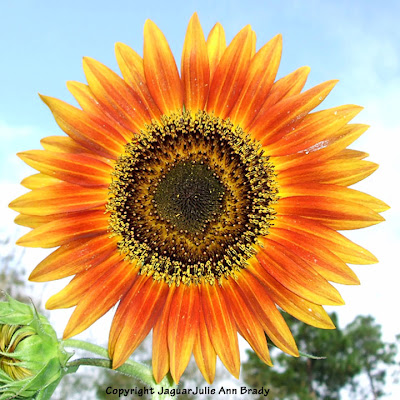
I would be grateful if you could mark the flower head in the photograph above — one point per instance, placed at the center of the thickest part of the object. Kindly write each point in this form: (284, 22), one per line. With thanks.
(31, 358)
(200, 200)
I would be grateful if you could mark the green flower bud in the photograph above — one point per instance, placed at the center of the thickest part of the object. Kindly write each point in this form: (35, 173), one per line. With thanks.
(32, 361)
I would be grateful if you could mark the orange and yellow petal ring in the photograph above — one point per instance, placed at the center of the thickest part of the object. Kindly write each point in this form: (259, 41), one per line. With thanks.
(202, 201)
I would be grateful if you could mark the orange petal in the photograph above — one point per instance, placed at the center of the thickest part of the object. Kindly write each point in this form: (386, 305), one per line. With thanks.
(285, 87)
(100, 297)
(296, 275)
(82, 282)
(62, 144)
(125, 105)
(221, 327)
(323, 150)
(59, 198)
(160, 359)
(246, 321)
(182, 328)
(316, 189)
(253, 43)
(348, 251)
(204, 352)
(315, 128)
(229, 76)
(333, 212)
(160, 69)
(101, 140)
(270, 318)
(336, 143)
(195, 68)
(98, 112)
(258, 82)
(66, 229)
(37, 181)
(349, 154)
(310, 313)
(34, 221)
(136, 315)
(73, 258)
(344, 173)
(328, 265)
(216, 46)
(74, 168)
(277, 121)
(131, 66)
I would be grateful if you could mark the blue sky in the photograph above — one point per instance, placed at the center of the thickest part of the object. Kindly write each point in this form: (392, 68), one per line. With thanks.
(358, 42)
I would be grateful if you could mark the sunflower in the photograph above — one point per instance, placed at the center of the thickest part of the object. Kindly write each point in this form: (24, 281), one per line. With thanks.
(201, 202)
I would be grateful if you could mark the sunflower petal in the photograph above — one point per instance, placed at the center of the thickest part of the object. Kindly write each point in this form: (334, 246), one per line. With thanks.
(125, 105)
(116, 282)
(82, 282)
(258, 82)
(98, 112)
(273, 123)
(131, 66)
(221, 328)
(344, 173)
(247, 322)
(216, 46)
(323, 150)
(62, 144)
(182, 328)
(204, 352)
(77, 124)
(349, 154)
(136, 315)
(348, 251)
(229, 76)
(59, 198)
(328, 265)
(315, 128)
(37, 181)
(73, 168)
(160, 69)
(73, 258)
(66, 229)
(334, 191)
(160, 359)
(286, 87)
(34, 221)
(253, 43)
(333, 212)
(296, 275)
(270, 318)
(195, 68)
(302, 309)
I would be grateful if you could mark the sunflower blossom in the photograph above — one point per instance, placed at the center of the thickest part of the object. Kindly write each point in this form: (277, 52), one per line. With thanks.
(197, 201)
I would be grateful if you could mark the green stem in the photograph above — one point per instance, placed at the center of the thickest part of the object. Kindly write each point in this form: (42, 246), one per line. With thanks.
(131, 368)
(80, 344)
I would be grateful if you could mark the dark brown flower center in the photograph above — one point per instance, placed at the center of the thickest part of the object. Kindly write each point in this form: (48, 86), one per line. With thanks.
(189, 198)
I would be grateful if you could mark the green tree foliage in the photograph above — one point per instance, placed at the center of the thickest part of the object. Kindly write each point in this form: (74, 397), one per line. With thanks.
(371, 354)
(350, 354)
(11, 271)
